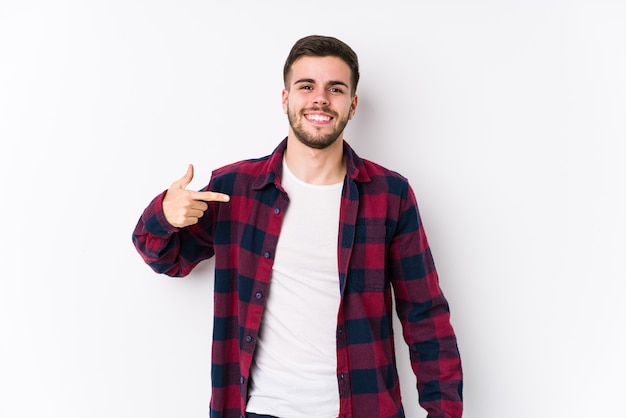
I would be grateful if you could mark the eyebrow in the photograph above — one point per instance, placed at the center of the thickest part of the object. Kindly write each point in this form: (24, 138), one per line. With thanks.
(330, 83)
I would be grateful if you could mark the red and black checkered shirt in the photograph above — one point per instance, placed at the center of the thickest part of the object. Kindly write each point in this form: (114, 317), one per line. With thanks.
(381, 248)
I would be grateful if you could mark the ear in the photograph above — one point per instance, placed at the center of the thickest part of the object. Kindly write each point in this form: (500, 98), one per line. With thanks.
(285, 100)
(353, 105)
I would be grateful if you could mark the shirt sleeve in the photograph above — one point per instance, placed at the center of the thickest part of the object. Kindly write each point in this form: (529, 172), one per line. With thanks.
(167, 249)
(425, 316)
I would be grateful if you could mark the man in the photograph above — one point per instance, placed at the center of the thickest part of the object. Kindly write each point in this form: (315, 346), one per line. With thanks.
(309, 243)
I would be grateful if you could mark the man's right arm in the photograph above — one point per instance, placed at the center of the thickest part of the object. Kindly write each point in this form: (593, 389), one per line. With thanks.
(169, 236)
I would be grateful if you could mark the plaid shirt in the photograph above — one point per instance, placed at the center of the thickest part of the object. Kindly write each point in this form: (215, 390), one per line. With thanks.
(381, 247)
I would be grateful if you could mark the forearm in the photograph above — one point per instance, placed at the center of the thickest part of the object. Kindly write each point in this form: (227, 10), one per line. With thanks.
(434, 355)
(437, 365)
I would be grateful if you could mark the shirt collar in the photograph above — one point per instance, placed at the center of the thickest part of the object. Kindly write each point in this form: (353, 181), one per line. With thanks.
(355, 168)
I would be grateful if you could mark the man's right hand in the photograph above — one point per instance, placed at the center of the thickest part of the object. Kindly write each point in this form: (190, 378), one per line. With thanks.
(183, 207)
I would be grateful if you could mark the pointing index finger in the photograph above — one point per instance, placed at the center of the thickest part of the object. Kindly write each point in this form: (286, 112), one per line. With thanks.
(210, 196)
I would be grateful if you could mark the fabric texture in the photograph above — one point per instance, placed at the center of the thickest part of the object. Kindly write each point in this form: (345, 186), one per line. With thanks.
(382, 247)
(293, 373)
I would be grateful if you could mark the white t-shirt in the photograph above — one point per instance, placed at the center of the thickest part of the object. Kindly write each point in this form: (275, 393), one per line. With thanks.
(294, 369)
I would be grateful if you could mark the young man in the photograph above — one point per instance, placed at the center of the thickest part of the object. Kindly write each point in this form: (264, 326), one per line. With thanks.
(309, 243)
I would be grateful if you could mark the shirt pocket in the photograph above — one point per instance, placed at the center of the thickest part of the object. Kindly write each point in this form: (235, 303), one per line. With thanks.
(369, 259)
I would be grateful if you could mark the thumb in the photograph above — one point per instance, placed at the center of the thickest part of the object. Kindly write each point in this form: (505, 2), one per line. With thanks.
(184, 181)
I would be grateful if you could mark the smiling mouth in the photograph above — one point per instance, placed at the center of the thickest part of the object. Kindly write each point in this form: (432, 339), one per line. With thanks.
(318, 118)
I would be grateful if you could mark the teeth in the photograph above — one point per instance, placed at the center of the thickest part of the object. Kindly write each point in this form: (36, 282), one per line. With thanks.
(318, 118)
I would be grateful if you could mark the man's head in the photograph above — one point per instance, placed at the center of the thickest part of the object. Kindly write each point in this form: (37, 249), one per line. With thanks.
(319, 98)
(323, 46)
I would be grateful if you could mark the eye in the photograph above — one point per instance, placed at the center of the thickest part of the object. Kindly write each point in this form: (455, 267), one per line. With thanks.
(336, 90)
(306, 87)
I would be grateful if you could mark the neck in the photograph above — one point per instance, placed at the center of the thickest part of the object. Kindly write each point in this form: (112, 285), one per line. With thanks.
(316, 166)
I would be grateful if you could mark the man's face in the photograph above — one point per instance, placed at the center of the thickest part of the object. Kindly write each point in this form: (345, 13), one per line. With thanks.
(318, 100)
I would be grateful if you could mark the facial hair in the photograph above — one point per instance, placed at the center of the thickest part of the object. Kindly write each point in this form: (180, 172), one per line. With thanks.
(319, 141)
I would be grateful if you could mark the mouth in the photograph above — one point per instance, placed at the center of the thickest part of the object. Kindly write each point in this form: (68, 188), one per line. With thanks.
(318, 117)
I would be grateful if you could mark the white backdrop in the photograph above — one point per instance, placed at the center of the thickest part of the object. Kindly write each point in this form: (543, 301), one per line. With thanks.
(508, 118)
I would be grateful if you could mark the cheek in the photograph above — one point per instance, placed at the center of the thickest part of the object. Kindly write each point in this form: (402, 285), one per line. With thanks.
(292, 105)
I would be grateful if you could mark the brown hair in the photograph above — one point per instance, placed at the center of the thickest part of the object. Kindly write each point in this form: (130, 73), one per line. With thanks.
(323, 46)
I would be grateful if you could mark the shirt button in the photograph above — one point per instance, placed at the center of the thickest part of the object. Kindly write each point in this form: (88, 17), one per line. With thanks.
(241, 380)
(276, 211)
(248, 338)
(258, 295)
(341, 376)
(266, 254)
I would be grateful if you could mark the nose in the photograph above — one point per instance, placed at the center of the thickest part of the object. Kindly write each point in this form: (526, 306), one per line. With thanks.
(321, 99)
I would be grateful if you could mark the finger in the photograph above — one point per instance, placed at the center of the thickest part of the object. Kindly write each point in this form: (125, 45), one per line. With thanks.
(184, 181)
(195, 213)
(199, 205)
(210, 196)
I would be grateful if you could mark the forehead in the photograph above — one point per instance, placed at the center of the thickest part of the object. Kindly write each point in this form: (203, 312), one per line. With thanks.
(320, 69)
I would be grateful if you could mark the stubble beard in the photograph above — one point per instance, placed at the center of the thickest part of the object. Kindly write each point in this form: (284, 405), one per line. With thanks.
(319, 141)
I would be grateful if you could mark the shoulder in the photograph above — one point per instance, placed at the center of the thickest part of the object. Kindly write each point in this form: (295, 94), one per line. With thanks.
(241, 177)
(263, 167)
(380, 179)
(251, 166)
(377, 170)
(365, 171)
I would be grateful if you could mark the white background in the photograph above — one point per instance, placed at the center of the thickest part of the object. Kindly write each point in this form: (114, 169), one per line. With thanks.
(508, 118)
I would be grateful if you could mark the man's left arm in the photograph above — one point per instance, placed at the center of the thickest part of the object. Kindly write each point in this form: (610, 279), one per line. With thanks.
(425, 315)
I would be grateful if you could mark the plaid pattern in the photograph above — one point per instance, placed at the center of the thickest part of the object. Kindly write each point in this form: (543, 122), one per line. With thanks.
(381, 247)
